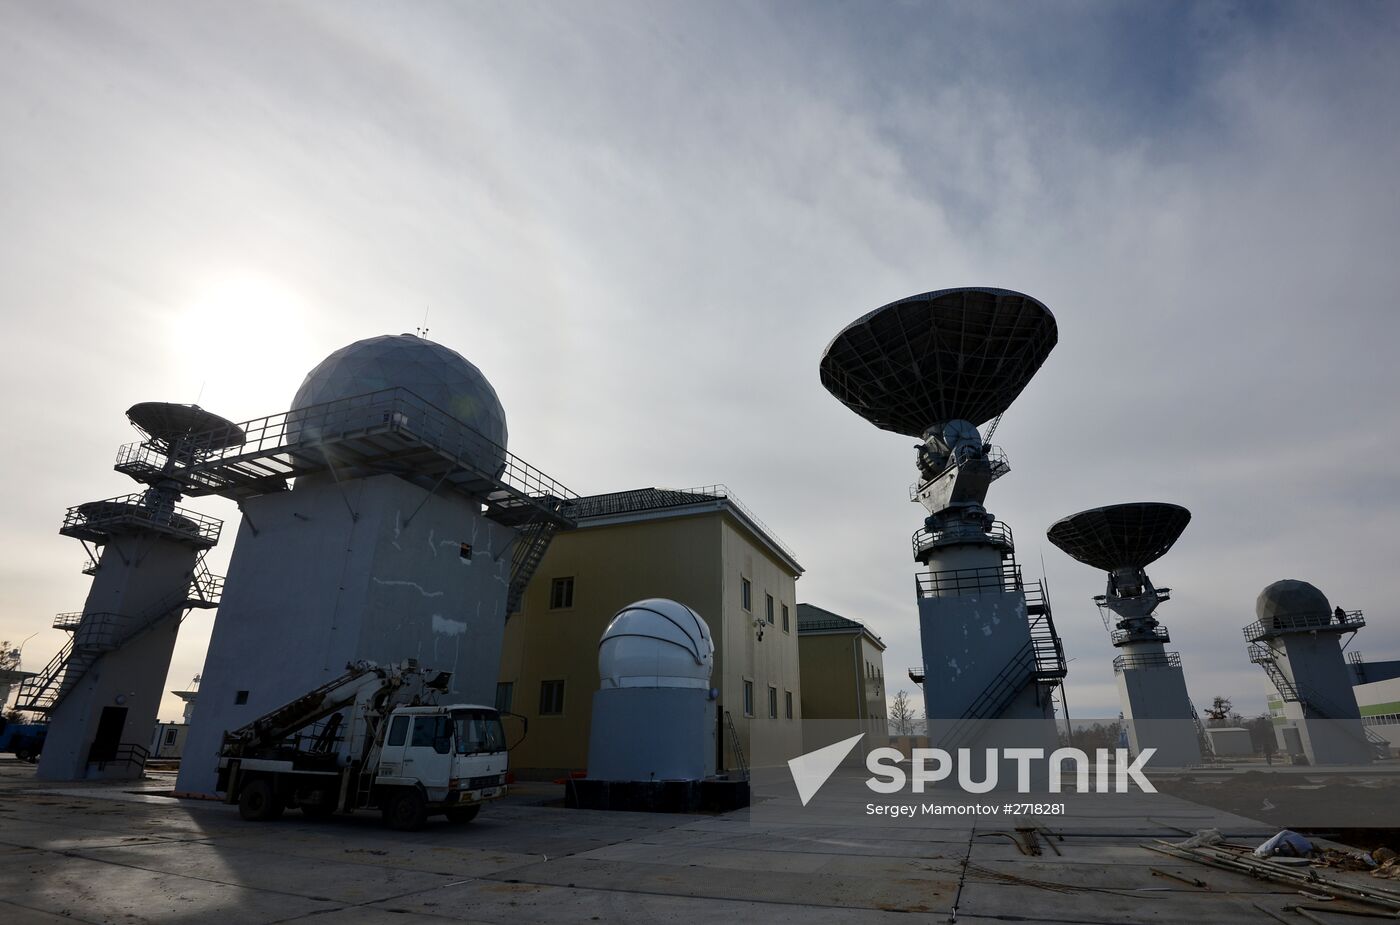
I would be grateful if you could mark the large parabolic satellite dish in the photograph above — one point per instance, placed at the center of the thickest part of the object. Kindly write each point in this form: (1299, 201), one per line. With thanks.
(1121, 535)
(954, 354)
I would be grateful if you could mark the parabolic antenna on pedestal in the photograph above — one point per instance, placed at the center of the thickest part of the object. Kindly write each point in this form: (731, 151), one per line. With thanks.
(164, 423)
(954, 354)
(1121, 535)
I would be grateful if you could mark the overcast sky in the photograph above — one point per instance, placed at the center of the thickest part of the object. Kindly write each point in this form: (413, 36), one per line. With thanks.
(644, 222)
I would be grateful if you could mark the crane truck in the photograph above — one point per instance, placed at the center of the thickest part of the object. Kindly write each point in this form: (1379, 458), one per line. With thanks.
(373, 738)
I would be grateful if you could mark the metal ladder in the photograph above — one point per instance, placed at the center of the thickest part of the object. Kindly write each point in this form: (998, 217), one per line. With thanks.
(1202, 737)
(1310, 700)
(530, 548)
(43, 692)
(734, 742)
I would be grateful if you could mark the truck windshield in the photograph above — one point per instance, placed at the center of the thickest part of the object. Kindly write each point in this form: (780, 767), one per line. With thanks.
(479, 731)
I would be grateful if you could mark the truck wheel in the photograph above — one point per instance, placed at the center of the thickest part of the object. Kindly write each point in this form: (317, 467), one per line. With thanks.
(259, 802)
(462, 814)
(406, 811)
(23, 755)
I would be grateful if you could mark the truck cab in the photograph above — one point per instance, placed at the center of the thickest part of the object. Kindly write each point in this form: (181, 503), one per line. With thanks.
(456, 754)
(373, 738)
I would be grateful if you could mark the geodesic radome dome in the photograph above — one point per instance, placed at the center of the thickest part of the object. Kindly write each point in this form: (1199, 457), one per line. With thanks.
(1291, 603)
(656, 643)
(439, 376)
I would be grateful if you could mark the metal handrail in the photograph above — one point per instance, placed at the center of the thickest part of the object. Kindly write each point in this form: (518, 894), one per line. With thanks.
(999, 534)
(133, 507)
(722, 491)
(395, 409)
(1002, 579)
(994, 456)
(1351, 621)
(1156, 633)
(1153, 660)
(124, 753)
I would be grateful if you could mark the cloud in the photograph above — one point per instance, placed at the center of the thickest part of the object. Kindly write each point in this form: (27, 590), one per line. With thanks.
(644, 222)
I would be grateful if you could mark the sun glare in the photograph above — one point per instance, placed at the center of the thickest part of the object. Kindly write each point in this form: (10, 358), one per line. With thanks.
(241, 344)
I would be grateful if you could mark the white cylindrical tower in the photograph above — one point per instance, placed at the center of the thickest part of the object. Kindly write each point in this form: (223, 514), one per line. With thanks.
(654, 713)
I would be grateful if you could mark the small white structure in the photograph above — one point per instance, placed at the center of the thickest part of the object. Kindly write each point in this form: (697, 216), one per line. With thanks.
(1230, 742)
(654, 712)
(1297, 641)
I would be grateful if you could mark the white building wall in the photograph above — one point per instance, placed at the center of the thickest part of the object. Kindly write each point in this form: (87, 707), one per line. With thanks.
(311, 588)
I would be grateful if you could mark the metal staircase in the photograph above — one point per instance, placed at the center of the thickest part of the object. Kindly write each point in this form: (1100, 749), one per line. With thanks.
(97, 633)
(1310, 700)
(1202, 737)
(1040, 661)
(1265, 657)
(530, 546)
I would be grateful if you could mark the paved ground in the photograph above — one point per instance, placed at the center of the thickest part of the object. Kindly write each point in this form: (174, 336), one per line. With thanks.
(99, 853)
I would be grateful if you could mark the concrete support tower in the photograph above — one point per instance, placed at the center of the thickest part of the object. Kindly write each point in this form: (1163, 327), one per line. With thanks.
(146, 556)
(1297, 641)
(935, 367)
(1123, 539)
(383, 519)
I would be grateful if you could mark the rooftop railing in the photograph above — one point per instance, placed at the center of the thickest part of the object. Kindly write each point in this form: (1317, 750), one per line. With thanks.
(1156, 633)
(281, 446)
(953, 582)
(722, 491)
(999, 534)
(1284, 623)
(1154, 660)
(95, 519)
(996, 461)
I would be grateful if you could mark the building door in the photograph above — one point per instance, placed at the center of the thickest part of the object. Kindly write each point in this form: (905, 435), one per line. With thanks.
(109, 734)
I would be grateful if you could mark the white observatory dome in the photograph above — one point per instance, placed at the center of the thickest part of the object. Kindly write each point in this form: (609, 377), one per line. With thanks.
(441, 377)
(1294, 603)
(656, 643)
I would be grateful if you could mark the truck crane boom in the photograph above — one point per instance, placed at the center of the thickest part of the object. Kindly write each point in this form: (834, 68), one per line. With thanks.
(373, 738)
(373, 690)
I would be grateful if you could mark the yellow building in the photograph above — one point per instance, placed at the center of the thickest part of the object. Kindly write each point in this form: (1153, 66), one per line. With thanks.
(849, 660)
(700, 547)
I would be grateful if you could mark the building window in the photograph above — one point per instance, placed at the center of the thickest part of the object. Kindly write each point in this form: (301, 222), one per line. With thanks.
(768, 610)
(465, 551)
(787, 700)
(551, 698)
(772, 702)
(561, 593)
(505, 693)
(787, 625)
(746, 594)
(748, 698)
(240, 698)
(170, 736)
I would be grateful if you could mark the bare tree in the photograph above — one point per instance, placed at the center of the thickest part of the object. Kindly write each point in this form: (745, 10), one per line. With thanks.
(1218, 713)
(902, 714)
